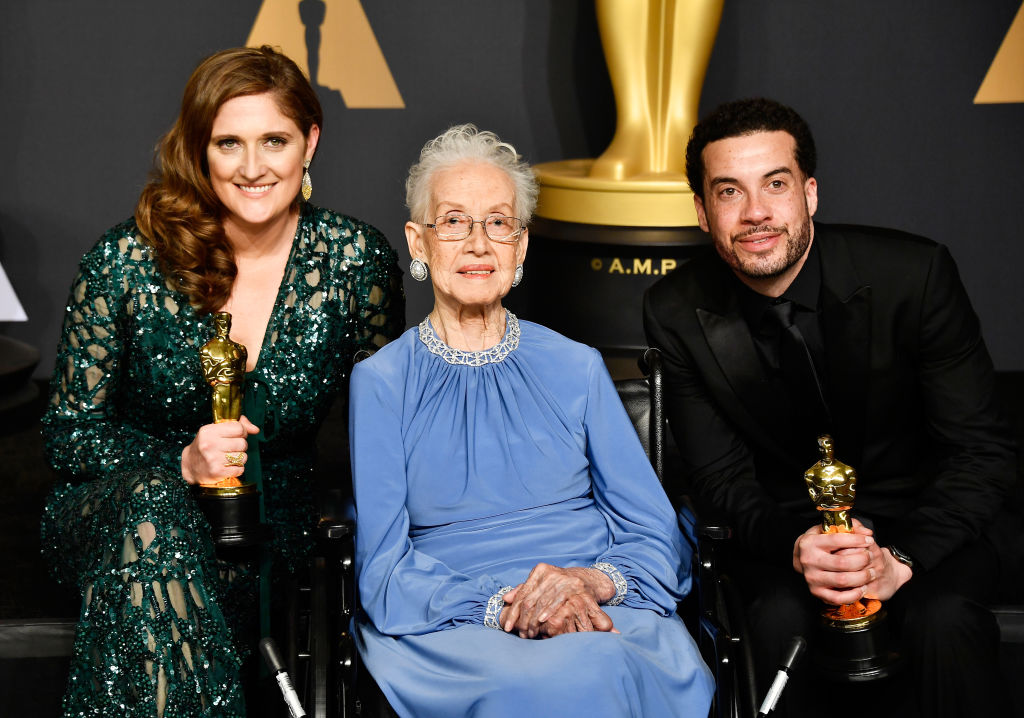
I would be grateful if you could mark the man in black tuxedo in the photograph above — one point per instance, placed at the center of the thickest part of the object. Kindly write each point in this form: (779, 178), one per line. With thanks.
(791, 329)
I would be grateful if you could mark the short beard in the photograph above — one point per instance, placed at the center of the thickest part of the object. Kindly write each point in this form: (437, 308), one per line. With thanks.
(769, 268)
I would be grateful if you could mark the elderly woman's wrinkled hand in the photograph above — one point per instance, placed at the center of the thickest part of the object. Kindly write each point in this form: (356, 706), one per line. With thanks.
(555, 600)
(577, 614)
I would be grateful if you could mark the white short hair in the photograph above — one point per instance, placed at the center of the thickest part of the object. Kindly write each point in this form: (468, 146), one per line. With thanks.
(467, 143)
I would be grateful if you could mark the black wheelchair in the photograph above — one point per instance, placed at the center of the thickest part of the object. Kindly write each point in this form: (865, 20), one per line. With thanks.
(321, 652)
(323, 660)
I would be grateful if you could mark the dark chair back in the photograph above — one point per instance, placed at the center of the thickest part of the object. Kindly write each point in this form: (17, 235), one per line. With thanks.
(712, 612)
(642, 398)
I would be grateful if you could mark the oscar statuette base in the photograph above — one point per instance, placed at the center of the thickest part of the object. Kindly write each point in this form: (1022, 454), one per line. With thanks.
(855, 651)
(233, 514)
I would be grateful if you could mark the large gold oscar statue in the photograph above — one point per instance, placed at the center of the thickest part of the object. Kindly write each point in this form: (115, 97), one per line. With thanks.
(657, 53)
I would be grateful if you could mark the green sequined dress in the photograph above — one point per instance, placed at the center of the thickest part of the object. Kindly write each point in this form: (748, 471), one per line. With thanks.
(157, 632)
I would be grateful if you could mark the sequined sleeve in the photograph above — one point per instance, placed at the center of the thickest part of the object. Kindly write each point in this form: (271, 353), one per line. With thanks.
(84, 437)
(380, 316)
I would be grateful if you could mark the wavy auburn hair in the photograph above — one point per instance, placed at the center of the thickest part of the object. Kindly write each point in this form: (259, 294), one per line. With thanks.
(178, 213)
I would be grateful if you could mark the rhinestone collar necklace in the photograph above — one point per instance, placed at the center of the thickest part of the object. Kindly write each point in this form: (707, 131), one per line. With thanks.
(493, 355)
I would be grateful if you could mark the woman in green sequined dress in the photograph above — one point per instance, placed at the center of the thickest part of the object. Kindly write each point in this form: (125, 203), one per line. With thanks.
(219, 228)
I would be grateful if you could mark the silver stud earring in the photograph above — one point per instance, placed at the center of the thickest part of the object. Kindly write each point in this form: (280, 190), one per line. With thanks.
(418, 269)
(518, 276)
(307, 185)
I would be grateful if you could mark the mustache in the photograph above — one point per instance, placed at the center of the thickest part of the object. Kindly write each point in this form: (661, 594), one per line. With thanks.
(763, 229)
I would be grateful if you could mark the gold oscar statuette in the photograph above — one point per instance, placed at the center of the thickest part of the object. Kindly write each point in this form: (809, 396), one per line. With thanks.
(833, 488)
(223, 364)
(853, 642)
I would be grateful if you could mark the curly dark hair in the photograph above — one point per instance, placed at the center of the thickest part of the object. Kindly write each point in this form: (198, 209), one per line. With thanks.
(745, 117)
(178, 213)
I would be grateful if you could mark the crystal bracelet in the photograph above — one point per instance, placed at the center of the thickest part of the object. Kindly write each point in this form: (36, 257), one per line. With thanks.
(617, 578)
(494, 606)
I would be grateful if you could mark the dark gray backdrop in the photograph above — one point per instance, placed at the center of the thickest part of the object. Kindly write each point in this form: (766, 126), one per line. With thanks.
(88, 86)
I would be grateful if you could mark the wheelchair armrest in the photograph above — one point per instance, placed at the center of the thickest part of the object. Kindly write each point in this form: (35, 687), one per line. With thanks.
(712, 528)
(713, 531)
(1011, 622)
(336, 520)
(330, 528)
(36, 638)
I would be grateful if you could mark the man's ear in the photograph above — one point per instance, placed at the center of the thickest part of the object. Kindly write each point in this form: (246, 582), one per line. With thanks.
(702, 220)
(811, 194)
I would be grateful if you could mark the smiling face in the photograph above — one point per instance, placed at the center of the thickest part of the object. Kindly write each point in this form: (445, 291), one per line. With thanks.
(475, 272)
(757, 207)
(255, 156)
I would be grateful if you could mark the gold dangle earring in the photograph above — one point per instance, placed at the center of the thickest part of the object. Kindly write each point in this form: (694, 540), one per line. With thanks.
(307, 185)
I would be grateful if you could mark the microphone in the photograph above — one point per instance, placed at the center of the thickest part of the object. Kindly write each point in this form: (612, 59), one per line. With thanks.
(794, 650)
(273, 658)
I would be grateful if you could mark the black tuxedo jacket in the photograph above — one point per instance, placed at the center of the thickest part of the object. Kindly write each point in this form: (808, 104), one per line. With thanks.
(909, 382)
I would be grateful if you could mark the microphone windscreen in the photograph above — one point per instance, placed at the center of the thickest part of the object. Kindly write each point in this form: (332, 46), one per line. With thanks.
(794, 650)
(271, 655)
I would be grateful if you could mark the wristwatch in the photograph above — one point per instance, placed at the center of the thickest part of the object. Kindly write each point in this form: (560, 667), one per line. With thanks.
(901, 557)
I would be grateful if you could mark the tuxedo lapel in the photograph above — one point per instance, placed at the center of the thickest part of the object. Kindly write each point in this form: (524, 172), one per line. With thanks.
(729, 339)
(757, 405)
(846, 329)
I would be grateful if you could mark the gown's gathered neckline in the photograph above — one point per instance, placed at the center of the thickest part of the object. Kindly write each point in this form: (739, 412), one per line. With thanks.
(493, 355)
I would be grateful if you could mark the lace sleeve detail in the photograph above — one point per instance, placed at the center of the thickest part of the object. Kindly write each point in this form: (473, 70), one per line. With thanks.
(381, 316)
(84, 437)
(494, 606)
(617, 578)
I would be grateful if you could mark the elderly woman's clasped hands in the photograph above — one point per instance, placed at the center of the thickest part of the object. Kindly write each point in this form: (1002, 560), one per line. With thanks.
(555, 600)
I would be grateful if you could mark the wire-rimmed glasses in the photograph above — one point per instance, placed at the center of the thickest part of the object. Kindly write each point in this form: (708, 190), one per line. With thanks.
(497, 227)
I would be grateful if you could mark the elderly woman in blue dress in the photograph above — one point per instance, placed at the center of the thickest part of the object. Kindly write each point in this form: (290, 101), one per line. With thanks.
(502, 493)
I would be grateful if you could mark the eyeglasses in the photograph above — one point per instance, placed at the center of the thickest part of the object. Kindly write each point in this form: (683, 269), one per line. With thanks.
(497, 227)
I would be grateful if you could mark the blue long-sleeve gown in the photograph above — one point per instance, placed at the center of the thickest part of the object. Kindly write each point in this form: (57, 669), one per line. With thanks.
(472, 467)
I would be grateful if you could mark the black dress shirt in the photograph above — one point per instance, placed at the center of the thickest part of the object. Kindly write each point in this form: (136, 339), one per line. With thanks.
(810, 413)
